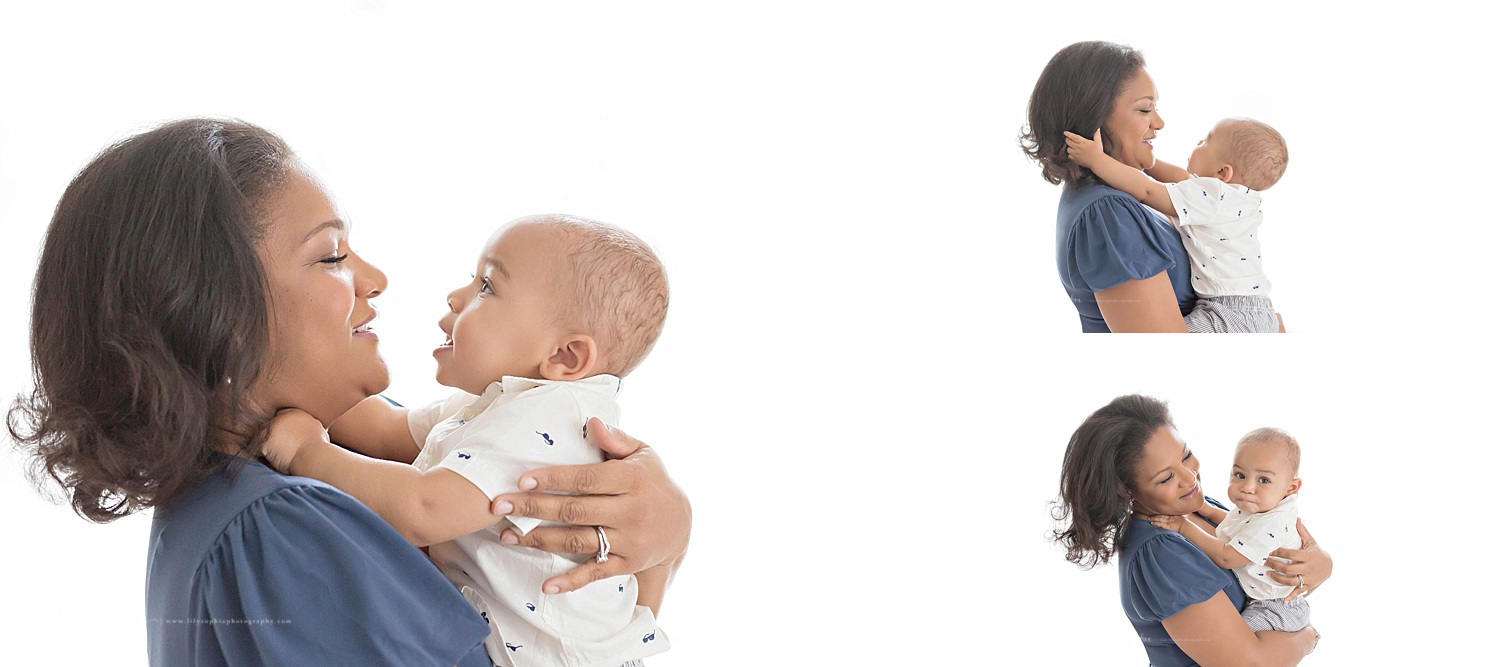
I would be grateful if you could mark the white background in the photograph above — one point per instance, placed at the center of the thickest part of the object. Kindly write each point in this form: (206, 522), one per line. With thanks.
(869, 370)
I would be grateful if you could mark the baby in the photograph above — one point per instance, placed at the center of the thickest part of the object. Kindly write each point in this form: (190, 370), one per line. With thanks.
(559, 309)
(1215, 202)
(1263, 486)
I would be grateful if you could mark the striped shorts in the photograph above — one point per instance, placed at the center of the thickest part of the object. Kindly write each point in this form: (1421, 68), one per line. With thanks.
(1277, 615)
(1233, 314)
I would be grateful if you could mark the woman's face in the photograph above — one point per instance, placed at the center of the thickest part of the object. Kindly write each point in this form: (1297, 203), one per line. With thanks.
(322, 359)
(1132, 122)
(1166, 479)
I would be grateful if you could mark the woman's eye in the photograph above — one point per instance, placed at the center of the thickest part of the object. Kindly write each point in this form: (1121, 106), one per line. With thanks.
(335, 260)
(1168, 479)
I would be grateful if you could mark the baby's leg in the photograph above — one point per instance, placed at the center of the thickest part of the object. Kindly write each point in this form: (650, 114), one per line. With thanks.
(1233, 314)
(1277, 615)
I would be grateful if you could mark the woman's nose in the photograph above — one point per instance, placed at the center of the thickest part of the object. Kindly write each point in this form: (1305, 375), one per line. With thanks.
(1156, 121)
(369, 281)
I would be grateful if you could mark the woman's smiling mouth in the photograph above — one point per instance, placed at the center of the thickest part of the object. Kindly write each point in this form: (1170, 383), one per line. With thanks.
(1191, 492)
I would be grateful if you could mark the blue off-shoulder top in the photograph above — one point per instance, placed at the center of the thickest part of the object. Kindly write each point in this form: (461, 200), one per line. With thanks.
(1105, 238)
(267, 569)
(1162, 573)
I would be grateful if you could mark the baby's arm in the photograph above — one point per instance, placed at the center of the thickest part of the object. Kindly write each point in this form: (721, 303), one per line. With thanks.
(1215, 515)
(377, 429)
(1220, 553)
(426, 508)
(1167, 172)
(1133, 182)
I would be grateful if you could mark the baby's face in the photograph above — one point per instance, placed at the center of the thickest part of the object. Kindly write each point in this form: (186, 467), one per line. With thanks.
(1261, 477)
(504, 321)
(1208, 156)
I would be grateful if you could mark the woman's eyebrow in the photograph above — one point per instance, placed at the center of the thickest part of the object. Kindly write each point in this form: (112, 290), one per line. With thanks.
(334, 223)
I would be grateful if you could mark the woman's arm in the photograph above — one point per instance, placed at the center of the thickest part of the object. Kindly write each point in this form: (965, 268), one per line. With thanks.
(376, 428)
(1213, 635)
(646, 518)
(1137, 306)
(652, 583)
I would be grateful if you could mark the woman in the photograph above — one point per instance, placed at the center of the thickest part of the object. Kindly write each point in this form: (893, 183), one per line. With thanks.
(1125, 463)
(195, 280)
(1123, 265)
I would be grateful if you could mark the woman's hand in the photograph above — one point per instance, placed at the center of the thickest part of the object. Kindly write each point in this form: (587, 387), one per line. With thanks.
(1083, 152)
(1311, 561)
(1172, 522)
(645, 517)
(290, 429)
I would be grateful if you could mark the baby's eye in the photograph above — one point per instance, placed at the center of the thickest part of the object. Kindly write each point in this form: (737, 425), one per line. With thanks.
(1264, 480)
(1238, 476)
(484, 286)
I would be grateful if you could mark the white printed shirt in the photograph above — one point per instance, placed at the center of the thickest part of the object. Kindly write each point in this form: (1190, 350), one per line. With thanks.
(1255, 536)
(1219, 222)
(521, 424)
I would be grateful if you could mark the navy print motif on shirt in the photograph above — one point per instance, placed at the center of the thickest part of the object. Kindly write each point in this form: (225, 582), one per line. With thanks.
(622, 588)
(649, 637)
(530, 607)
(461, 422)
(585, 429)
(464, 456)
(544, 436)
(512, 647)
(1272, 536)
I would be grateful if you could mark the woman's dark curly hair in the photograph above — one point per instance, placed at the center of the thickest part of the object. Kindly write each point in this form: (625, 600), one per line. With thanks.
(1096, 477)
(1075, 93)
(149, 320)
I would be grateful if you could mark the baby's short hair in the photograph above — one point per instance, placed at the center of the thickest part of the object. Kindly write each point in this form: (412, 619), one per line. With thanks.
(1257, 152)
(617, 286)
(1267, 434)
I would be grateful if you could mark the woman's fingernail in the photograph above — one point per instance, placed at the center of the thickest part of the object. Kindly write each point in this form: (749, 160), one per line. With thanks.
(528, 483)
(503, 508)
(551, 589)
(508, 537)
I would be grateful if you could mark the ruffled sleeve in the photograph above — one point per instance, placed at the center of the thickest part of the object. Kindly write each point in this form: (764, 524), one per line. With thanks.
(307, 575)
(1117, 240)
(1169, 574)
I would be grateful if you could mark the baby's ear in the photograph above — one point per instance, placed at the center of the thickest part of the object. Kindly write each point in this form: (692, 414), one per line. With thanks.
(1295, 487)
(1225, 173)
(574, 358)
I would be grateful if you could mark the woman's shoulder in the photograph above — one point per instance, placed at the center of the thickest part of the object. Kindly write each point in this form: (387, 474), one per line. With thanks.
(279, 548)
(239, 494)
(1096, 201)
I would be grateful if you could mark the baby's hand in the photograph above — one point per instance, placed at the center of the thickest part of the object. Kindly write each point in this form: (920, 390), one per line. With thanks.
(1083, 152)
(1171, 522)
(291, 429)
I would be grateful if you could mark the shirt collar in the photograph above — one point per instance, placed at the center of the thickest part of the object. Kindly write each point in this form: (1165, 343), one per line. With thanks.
(604, 384)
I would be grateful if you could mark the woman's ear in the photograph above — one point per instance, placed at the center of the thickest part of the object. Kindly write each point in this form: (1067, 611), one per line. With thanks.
(573, 359)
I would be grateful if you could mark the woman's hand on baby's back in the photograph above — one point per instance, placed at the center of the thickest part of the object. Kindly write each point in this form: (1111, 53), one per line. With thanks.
(1311, 562)
(646, 518)
(290, 429)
